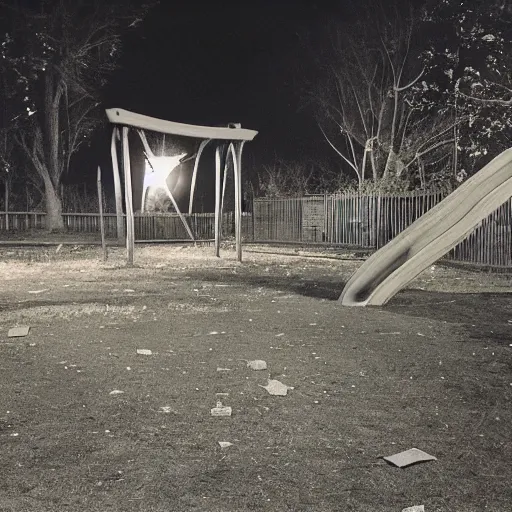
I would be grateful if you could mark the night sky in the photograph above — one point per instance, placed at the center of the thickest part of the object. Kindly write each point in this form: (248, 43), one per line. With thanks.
(211, 63)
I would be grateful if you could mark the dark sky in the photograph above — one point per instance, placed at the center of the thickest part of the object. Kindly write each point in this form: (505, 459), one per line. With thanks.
(210, 63)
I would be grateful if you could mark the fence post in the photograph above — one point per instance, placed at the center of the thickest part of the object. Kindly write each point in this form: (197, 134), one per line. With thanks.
(102, 222)
(6, 202)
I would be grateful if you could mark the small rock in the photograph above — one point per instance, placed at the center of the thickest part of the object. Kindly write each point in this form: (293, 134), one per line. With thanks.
(144, 352)
(257, 364)
(225, 444)
(116, 392)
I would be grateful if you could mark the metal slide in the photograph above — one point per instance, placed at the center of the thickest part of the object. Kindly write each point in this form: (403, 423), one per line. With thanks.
(430, 237)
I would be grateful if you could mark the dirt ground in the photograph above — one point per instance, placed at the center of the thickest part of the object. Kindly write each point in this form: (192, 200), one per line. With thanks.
(87, 424)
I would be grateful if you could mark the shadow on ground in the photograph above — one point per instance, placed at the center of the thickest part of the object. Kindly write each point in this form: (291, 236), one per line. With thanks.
(465, 310)
(318, 288)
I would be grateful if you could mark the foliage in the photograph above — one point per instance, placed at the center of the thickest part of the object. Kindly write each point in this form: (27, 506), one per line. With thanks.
(294, 179)
(56, 57)
(468, 63)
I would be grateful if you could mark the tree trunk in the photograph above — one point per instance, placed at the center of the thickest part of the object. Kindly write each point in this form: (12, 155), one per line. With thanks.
(54, 220)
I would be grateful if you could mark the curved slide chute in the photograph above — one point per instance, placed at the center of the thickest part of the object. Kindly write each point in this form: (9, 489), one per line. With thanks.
(430, 237)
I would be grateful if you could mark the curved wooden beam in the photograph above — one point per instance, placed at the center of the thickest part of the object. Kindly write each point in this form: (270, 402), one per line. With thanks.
(126, 118)
(237, 174)
(194, 174)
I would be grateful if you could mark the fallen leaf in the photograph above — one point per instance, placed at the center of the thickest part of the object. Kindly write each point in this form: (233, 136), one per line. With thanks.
(274, 387)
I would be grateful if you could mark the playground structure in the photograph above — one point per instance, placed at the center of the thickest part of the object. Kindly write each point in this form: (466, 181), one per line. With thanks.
(431, 236)
(229, 142)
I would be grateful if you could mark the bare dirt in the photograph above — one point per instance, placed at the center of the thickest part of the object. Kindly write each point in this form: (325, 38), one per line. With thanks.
(431, 370)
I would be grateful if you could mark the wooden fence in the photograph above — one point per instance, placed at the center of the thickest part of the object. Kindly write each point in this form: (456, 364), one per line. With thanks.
(351, 220)
(371, 221)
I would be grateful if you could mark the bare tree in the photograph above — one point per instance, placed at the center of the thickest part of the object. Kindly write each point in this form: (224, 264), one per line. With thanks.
(364, 104)
(59, 56)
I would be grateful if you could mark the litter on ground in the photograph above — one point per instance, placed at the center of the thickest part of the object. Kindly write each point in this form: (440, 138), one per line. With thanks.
(257, 364)
(144, 352)
(409, 457)
(225, 444)
(415, 508)
(17, 332)
(274, 387)
(221, 410)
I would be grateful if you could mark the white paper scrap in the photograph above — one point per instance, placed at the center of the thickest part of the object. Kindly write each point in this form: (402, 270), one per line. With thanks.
(409, 457)
(17, 332)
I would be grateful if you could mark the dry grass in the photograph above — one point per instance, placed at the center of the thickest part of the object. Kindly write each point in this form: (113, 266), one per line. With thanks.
(432, 370)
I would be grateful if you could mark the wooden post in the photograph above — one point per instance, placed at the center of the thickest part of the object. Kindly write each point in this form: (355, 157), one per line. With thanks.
(6, 203)
(217, 200)
(117, 187)
(102, 221)
(130, 232)
(27, 219)
(237, 171)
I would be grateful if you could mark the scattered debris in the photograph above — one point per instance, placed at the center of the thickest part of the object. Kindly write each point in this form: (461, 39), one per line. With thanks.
(128, 290)
(415, 508)
(223, 369)
(274, 387)
(116, 392)
(144, 352)
(225, 444)
(59, 247)
(221, 410)
(409, 457)
(166, 409)
(38, 291)
(213, 332)
(257, 364)
(17, 332)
